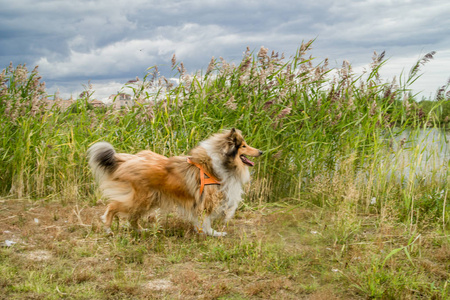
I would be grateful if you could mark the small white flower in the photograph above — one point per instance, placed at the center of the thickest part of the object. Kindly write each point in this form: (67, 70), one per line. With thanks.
(314, 232)
(36, 220)
(335, 270)
(9, 243)
(373, 201)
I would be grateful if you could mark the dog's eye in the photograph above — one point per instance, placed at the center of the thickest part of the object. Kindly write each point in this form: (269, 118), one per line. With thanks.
(243, 146)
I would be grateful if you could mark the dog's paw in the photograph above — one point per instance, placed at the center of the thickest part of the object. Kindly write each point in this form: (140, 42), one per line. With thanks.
(108, 231)
(219, 233)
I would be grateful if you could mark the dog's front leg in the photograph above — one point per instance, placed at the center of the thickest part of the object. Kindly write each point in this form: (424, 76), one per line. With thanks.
(231, 210)
(205, 227)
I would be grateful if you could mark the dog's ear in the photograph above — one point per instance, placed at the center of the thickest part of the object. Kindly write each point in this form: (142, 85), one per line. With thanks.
(234, 142)
(232, 133)
(232, 136)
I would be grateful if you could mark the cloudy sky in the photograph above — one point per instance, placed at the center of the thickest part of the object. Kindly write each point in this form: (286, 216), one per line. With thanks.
(110, 42)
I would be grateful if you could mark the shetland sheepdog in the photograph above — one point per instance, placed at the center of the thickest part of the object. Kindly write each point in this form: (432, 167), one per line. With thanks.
(205, 185)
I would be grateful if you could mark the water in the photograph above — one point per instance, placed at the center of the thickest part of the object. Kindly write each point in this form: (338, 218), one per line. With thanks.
(420, 155)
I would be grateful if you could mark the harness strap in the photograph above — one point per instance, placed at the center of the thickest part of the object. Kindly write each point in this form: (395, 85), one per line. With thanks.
(205, 178)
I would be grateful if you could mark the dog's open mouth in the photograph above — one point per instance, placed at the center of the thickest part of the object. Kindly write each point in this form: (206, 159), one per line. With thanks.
(247, 161)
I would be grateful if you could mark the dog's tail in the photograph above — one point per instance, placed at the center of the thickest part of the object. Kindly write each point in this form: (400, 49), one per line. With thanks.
(102, 160)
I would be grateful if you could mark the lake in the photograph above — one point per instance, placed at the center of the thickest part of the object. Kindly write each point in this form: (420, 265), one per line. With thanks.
(420, 155)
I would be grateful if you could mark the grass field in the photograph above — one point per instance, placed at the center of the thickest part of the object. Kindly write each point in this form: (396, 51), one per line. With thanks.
(326, 215)
(272, 252)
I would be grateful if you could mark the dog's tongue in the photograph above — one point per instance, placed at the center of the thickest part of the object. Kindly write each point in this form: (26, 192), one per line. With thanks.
(246, 161)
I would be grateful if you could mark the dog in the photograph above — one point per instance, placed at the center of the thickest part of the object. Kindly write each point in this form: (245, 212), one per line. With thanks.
(205, 185)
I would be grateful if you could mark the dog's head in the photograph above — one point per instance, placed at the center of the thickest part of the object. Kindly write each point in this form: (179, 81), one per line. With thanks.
(238, 150)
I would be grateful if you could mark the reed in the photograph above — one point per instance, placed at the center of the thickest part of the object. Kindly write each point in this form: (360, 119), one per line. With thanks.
(352, 189)
(325, 131)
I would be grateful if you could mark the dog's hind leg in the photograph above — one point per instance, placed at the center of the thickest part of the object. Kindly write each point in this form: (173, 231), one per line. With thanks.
(134, 222)
(107, 218)
(111, 210)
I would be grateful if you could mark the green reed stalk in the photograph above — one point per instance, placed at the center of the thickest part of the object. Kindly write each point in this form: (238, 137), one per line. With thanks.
(322, 130)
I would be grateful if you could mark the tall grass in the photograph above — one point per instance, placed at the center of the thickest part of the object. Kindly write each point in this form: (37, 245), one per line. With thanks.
(327, 133)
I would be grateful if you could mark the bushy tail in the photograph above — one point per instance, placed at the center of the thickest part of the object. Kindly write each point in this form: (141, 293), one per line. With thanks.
(102, 160)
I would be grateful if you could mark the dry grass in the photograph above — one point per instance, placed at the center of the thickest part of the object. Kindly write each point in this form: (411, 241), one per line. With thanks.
(283, 252)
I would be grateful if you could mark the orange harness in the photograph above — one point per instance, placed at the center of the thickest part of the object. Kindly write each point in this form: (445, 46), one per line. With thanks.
(204, 181)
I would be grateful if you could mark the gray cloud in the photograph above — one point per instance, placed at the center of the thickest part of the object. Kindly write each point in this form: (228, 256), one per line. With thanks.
(74, 41)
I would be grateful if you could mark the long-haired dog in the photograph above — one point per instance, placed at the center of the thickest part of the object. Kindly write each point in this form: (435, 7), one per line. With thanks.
(205, 185)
